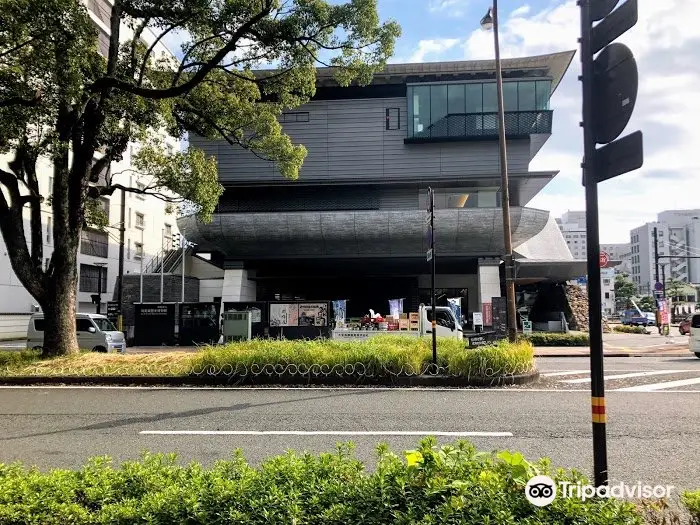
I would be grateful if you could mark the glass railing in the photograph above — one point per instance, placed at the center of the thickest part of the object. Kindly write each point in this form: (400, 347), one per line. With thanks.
(458, 126)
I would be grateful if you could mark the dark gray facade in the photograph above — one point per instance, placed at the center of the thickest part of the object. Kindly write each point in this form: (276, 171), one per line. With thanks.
(372, 154)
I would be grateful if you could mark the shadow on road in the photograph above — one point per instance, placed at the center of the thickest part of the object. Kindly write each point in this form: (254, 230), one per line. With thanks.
(176, 415)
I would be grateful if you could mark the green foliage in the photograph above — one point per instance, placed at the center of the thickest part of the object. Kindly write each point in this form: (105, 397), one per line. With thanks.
(557, 339)
(647, 304)
(452, 484)
(691, 501)
(625, 289)
(630, 329)
(10, 359)
(674, 287)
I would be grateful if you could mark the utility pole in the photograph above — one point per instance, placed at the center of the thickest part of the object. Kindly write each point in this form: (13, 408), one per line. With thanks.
(184, 246)
(656, 254)
(162, 262)
(431, 258)
(143, 254)
(609, 82)
(120, 277)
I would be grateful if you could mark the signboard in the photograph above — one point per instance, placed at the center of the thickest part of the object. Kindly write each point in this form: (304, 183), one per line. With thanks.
(604, 259)
(429, 255)
(487, 338)
(499, 315)
(527, 327)
(313, 314)
(154, 325)
(113, 311)
(478, 318)
(486, 311)
(199, 323)
(658, 287)
(283, 314)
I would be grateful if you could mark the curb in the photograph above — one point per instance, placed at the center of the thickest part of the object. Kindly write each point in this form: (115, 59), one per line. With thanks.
(422, 380)
(618, 354)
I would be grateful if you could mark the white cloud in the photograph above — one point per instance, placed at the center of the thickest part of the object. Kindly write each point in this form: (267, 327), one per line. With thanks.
(522, 10)
(453, 8)
(666, 45)
(431, 47)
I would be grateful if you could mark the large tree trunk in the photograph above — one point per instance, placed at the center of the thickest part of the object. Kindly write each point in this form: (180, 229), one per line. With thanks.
(59, 316)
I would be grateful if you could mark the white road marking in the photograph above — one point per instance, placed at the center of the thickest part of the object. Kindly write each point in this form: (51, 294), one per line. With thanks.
(625, 376)
(321, 433)
(661, 386)
(567, 373)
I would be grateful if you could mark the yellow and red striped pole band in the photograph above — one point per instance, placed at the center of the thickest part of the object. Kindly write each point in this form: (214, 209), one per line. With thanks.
(598, 409)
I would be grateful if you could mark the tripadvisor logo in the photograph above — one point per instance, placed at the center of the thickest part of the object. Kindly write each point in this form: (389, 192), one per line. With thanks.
(541, 491)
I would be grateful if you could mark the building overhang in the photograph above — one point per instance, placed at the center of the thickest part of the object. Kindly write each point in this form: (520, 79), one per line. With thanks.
(360, 234)
(534, 270)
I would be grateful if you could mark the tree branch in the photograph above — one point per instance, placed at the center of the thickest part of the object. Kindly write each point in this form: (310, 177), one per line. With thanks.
(175, 91)
(152, 47)
(21, 101)
(16, 48)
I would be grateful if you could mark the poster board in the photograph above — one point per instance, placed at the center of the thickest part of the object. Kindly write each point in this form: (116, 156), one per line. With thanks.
(313, 314)
(284, 314)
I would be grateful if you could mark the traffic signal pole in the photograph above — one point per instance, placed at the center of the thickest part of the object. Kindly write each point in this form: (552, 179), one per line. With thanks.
(600, 454)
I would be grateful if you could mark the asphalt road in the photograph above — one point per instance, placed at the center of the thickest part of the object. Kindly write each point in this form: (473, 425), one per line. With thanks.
(653, 437)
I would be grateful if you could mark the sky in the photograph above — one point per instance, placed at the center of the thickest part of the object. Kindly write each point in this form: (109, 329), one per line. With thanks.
(666, 45)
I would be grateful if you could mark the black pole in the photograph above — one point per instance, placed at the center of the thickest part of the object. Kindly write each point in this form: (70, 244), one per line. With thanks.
(99, 289)
(598, 416)
(432, 272)
(656, 255)
(663, 280)
(120, 277)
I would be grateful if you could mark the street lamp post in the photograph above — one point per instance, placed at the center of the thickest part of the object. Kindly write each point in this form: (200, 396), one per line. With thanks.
(490, 22)
(99, 286)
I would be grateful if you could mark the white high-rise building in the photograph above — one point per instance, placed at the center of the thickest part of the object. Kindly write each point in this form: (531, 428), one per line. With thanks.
(678, 239)
(149, 228)
(573, 227)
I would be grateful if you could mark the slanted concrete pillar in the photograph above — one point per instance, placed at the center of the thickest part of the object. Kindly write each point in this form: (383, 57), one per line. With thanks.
(237, 285)
(489, 280)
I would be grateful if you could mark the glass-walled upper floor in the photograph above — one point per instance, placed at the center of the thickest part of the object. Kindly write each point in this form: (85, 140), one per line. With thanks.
(471, 109)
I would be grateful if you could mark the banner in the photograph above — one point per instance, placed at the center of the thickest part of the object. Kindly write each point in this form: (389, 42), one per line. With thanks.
(455, 304)
(313, 314)
(395, 307)
(284, 314)
(339, 312)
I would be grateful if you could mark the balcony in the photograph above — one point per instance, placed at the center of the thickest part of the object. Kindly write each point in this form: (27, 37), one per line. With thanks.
(483, 126)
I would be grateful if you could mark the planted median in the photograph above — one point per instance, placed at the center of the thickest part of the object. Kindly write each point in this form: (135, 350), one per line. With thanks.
(378, 360)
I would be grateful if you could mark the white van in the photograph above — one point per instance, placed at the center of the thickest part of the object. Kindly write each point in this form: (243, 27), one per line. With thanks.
(95, 332)
(695, 334)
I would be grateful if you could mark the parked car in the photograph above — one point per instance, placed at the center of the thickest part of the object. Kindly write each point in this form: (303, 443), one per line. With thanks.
(95, 332)
(684, 326)
(695, 334)
(632, 318)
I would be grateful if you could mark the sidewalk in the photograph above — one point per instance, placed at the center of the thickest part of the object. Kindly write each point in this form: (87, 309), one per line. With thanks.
(668, 350)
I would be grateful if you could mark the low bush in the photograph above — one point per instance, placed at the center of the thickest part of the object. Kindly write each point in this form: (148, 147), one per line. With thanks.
(630, 329)
(557, 339)
(429, 485)
(691, 501)
(378, 357)
(12, 358)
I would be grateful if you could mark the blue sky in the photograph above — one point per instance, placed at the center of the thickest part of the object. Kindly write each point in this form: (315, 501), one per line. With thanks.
(666, 43)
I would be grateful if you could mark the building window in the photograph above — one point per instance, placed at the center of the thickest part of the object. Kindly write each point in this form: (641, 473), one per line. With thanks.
(140, 221)
(607, 295)
(294, 116)
(168, 236)
(393, 118)
(129, 219)
(95, 243)
(606, 282)
(102, 9)
(46, 263)
(138, 250)
(464, 110)
(48, 230)
(128, 249)
(102, 42)
(89, 278)
(141, 187)
(50, 191)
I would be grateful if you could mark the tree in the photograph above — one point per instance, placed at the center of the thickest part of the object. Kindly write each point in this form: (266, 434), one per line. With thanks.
(674, 288)
(61, 100)
(624, 289)
(647, 304)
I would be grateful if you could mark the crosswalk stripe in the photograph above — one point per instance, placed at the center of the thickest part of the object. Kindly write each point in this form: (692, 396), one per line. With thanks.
(660, 386)
(625, 376)
(567, 373)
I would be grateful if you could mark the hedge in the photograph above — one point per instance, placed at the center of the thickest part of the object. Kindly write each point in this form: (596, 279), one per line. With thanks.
(429, 485)
(377, 357)
(630, 329)
(557, 339)
(691, 501)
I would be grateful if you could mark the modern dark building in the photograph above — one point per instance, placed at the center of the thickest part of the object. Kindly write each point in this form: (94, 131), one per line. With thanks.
(354, 225)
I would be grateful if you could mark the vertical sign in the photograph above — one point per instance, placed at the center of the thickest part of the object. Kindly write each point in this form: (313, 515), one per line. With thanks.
(499, 315)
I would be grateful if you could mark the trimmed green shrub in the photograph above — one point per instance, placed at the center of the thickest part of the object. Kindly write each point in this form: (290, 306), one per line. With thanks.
(382, 356)
(691, 501)
(557, 339)
(429, 485)
(630, 329)
(11, 358)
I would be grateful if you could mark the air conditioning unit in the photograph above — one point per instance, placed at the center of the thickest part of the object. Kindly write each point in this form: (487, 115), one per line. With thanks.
(237, 326)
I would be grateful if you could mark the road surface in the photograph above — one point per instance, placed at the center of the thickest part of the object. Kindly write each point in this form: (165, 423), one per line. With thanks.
(654, 435)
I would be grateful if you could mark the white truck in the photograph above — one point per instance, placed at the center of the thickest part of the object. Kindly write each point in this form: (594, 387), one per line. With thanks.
(446, 326)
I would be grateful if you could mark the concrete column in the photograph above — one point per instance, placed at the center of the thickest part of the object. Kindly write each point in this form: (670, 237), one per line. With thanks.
(237, 286)
(489, 280)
